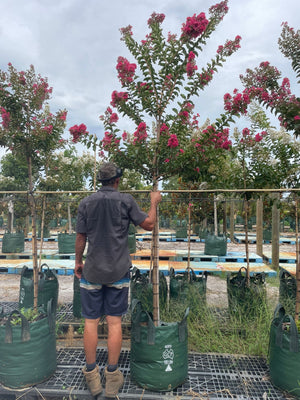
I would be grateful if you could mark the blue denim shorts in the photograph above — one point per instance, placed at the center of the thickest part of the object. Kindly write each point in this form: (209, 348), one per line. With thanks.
(98, 300)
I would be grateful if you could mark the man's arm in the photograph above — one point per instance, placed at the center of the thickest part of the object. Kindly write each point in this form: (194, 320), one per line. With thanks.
(149, 222)
(79, 249)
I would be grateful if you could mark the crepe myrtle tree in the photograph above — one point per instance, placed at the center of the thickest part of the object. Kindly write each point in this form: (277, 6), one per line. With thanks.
(157, 95)
(264, 85)
(28, 129)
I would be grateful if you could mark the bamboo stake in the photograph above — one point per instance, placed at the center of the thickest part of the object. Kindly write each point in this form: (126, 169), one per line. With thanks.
(232, 220)
(42, 230)
(297, 308)
(215, 216)
(155, 270)
(69, 219)
(189, 237)
(246, 207)
(259, 227)
(34, 240)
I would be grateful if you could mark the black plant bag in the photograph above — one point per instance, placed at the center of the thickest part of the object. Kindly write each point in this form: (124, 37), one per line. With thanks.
(141, 289)
(243, 299)
(181, 283)
(287, 291)
(47, 288)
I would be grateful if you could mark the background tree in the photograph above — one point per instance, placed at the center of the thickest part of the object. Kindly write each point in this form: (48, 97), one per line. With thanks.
(29, 129)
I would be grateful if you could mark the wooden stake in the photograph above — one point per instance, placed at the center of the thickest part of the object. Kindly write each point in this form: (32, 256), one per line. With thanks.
(297, 308)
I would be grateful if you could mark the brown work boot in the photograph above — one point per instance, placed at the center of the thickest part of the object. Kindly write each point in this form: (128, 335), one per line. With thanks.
(93, 380)
(114, 382)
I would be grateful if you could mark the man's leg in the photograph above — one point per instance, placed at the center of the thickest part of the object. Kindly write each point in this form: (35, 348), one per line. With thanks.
(91, 303)
(114, 340)
(90, 339)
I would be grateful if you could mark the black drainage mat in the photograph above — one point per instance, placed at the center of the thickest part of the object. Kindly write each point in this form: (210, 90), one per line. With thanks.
(211, 376)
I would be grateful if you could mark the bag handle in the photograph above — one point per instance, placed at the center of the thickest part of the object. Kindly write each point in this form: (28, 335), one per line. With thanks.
(136, 322)
(48, 271)
(240, 270)
(24, 269)
(172, 272)
(51, 315)
(25, 332)
(294, 338)
(279, 311)
(182, 331)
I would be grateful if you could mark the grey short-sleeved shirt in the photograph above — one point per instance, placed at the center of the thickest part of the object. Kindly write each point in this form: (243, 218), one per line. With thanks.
(105, 217)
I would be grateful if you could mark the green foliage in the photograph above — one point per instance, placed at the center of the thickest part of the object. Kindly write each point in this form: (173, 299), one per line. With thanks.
(159, 89)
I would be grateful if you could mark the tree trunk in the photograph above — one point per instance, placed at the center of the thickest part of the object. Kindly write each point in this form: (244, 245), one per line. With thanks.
(232, 220)
(275, 233)
(189, 237)
(42, 230)
(246, 207)
(297, 308)
(224, 218)
(155, 271)
(215, 216)
(259, 226)
(34, 239)
(69, 219)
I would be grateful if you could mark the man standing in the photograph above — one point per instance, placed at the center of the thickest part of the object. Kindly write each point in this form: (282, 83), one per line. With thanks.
(103, 218)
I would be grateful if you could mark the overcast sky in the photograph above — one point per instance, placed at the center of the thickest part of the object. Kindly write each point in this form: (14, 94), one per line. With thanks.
(76, 43)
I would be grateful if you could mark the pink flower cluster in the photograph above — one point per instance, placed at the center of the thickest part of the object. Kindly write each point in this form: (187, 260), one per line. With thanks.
(77, 132)
(125, 70)
(156, 19)
(164, 128)
(194, 26)
(191, 66)
(249, 140)
(230, 47)
(22, 78)
(109, 117)
(262, 84)
(63, 116)
(127, 31)
(107, 140)
(48, 129)
(173, 141)
(113, 118)
(41, 91)
(219, 10)
(140, 135)
(206, 77)
(212, 137)
(185, 113)
(238, 103)
(5, 115)
(118, 97)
